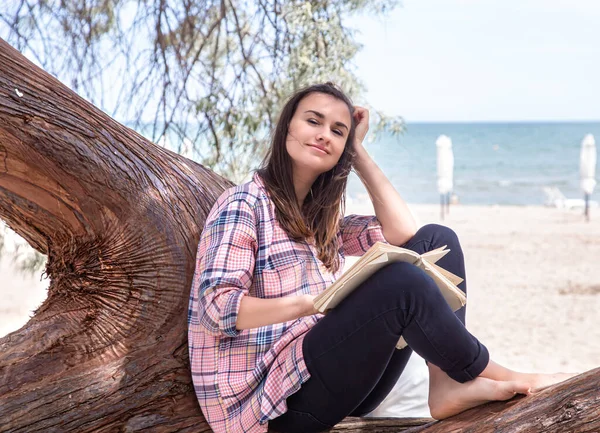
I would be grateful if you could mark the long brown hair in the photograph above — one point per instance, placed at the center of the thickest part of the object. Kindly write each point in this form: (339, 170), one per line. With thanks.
(323, 207)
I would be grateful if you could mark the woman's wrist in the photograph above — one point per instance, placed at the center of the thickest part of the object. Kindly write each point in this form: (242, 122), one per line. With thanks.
(306, 305)
(255, 312)
(362, 159)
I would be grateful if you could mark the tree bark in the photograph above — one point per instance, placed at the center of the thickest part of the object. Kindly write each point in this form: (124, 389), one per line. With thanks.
(120, 219)
(572, 406)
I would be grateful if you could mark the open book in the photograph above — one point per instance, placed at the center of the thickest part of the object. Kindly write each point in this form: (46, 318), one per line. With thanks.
(377, 257)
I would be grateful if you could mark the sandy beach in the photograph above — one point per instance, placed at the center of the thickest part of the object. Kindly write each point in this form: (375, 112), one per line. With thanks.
(533, 283)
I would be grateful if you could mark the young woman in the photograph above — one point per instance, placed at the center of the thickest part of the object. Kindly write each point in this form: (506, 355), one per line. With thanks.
(261, 356)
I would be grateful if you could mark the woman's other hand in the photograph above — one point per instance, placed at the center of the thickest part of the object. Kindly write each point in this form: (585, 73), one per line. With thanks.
(307, 305)
(361, 118)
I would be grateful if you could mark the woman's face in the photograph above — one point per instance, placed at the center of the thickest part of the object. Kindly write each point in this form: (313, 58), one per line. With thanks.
(317, 133)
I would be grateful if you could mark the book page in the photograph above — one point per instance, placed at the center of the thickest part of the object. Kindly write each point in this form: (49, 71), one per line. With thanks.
(401, 343)
(332, 296)
(455, 279)
(378, 256)
(452, 294)
(434, 255)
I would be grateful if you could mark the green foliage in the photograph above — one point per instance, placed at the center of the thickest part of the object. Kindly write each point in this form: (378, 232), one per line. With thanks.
(204, 77)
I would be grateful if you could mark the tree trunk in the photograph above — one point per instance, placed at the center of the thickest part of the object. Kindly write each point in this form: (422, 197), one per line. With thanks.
(120, 219)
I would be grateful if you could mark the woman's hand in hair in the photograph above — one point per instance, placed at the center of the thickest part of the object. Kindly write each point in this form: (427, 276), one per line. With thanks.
(361, 118)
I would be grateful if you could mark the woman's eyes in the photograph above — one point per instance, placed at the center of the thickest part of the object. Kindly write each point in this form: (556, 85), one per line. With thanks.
(335, 131)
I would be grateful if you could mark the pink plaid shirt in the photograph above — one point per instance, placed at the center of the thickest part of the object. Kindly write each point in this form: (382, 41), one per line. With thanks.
(242, 378)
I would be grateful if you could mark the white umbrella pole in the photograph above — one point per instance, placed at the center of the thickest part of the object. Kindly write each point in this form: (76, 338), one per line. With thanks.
(442, 207)
(587, 207)
(445, 171)
(587, 170)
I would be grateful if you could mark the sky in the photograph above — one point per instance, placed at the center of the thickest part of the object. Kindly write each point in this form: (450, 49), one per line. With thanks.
(486, 60)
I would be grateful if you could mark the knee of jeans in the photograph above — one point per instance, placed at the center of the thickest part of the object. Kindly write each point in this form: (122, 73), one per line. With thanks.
(440, 235)
(407, 278)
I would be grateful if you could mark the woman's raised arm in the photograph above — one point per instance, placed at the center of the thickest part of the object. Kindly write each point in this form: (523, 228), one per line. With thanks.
(397, 223)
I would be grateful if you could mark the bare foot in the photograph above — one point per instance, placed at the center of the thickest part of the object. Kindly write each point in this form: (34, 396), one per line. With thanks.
(537, 381)
(448, 397)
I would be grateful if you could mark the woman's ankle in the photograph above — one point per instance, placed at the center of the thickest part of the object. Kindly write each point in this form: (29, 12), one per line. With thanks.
(495, 371)
(537, 381)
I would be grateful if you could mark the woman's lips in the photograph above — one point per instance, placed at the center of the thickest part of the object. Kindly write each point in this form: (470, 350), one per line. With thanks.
(318, 148)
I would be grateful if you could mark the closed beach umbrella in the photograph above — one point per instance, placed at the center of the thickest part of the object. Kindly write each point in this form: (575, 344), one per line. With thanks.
(445, 171)
(587, 169)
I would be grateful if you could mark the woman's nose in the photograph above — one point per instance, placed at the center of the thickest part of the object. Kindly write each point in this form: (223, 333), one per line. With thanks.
(323, 136)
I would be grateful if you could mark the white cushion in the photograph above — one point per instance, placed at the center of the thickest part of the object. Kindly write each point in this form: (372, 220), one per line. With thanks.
(408, 398)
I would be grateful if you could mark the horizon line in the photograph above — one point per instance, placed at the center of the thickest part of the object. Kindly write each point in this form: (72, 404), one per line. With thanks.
(503, 121)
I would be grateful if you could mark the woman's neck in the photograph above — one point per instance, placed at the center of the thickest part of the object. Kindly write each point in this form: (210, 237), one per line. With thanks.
(302, 186)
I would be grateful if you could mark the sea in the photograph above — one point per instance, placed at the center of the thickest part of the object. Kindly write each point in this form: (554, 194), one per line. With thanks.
(494, 163)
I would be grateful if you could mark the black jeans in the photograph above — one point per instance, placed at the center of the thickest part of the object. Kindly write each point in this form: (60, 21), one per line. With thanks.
(351, 353)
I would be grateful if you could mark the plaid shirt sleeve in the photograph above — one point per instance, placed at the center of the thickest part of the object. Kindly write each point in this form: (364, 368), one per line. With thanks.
(224, 266)
(359, 233)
